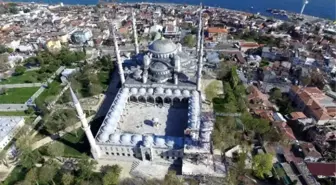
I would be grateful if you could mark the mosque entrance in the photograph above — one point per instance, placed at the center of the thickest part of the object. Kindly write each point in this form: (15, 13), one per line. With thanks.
(147, 156)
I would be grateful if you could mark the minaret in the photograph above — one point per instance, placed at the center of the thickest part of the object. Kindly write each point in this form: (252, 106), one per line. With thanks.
(135, 34)
(200, 63)
(116, 49)
(85, 126)
(200, 25)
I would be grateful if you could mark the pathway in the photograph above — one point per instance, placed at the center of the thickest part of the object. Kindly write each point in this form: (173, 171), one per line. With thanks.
(10, 86)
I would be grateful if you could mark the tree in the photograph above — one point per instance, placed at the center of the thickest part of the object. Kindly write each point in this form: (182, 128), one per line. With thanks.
(9, 50)
(273, 136)
(47, 174)
(4, 62)
(262, 164)
(305, 80)
(55, 149)
(27, 156)
(67, 179)
(29, 111)
(19, 70)
(189, 40)
(32, 176)
(275, 94)
(95, 89)
(111, 177)
(85, 166)
(171, 179)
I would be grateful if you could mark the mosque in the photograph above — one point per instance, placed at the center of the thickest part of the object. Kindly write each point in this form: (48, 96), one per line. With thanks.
(157, 114)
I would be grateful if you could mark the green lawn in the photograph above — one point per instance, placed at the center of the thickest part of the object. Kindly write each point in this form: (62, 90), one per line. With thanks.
(27, 77)
(17, 95)
(73, 146)
(53, 89)
(16, 113)
(213, 89)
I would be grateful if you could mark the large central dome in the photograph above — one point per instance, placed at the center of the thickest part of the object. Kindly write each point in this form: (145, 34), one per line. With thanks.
(162, 46)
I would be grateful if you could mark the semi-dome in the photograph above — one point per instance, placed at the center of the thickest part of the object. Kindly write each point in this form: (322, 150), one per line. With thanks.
(162, 46)
(158, 67)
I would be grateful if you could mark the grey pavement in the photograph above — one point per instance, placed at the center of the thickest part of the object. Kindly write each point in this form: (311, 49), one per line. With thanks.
(13, 107)
(10, 86)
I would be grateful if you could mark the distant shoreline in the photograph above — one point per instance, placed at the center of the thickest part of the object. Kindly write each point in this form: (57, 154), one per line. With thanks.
(262, 13)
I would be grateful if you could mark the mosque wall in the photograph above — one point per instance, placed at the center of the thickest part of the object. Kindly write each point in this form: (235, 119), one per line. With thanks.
(131, 152)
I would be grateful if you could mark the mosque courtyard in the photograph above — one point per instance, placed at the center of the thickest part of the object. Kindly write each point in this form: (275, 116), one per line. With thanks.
(138, 118)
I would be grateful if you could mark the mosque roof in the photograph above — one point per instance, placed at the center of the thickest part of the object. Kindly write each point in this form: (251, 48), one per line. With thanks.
(162, 46)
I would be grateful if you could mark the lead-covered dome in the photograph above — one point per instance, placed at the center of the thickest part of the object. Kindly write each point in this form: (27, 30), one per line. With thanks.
(162, 46)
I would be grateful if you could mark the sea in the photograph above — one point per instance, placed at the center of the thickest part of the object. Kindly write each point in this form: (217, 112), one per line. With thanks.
(318, 8)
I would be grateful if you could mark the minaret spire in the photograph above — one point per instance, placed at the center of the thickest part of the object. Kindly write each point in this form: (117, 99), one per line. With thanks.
(116, 49)
(200, 63)
(85, 126)
(200, 25)
(135, 34)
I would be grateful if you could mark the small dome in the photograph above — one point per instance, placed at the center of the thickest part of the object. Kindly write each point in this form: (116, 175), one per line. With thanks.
(195, 93)
(159, 90)
(103, 137)
(111, 120)
(126, 90)
(165, 46)
(159, 141)
(115, 138)
(177, 92)
(148, 141)
(170, 142)
(136, 138)
(142, 91)
(125, 139)
(150, 91)
(186, 93)
(134, 90)
(169, 92)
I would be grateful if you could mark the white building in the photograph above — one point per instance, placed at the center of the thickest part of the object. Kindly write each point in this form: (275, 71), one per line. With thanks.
(9, 126)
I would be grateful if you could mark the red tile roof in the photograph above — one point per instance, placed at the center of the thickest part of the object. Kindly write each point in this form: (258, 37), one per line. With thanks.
(325, 169)
(298, 115)
(217, 30)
